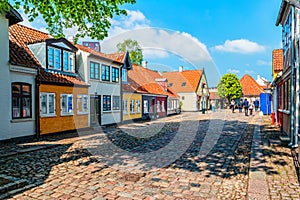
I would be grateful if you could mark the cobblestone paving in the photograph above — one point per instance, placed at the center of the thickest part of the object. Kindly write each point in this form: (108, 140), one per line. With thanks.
(71, 170)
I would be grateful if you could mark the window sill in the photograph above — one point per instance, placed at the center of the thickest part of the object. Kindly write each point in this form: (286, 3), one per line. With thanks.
(22, 120)
(66, 114)
(48, 116)
(107, 112)
(82, 113)
(284, 111)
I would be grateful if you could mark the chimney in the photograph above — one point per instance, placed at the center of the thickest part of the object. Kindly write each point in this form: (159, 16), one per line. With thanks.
(180, 68)
(144, 64)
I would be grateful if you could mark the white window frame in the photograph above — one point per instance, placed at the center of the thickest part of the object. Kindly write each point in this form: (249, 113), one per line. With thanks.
(61, 106)
(138, 106)
(84, 105)
(158, 106)
(163, 106)
(47, 114)
(132, 106)
(146, 106)
(71, 59)
(113, 102)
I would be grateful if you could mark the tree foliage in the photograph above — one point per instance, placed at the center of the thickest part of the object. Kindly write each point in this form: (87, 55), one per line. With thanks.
(134, 49)
(90, 17)
(229, 87)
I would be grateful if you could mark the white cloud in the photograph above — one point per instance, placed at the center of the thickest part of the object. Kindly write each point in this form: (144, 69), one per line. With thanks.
(233, 71)
(243, 46)
(250, 72)
(264, 63)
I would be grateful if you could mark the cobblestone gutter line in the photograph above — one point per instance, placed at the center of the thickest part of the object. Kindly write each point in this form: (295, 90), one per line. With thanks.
(258, 186)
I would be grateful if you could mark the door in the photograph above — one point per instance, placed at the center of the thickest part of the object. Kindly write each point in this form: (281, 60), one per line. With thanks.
(95, 102)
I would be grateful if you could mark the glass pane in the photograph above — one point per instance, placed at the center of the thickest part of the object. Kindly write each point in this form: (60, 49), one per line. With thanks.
(70, 103)
(96, 71)
(16, 89)
(16, 104)
(57, 59)
(26, 107)
(71, 61)
(64, 108)
(43, 104)
(92, 70)
(79, 104)
(26, 90)
(66, 61)
(50, 57)
(51, 104)
(85, 104)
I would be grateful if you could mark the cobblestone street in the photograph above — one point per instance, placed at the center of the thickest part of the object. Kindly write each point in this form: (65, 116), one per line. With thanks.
(189, 156)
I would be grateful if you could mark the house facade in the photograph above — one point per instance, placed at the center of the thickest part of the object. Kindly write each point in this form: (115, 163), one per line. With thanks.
(61, 95)
(288, 83)
(192, 88)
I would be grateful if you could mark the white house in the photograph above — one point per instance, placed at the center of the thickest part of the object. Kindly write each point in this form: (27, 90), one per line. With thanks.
(103, 73)
(17, 82)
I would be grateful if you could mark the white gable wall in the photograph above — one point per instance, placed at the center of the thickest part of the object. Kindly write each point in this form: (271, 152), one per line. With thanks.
(189, 103)
(39, 51)
(5, 100)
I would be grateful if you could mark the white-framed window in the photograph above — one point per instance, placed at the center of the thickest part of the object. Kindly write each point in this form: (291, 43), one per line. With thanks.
(106, 103)
(158, 106)
(125, 106)
(138, 106)
(132, 106)
(66, 104)
(124, 75)
(54, 58)
(146, 106)
(68, 61)
(116, 103)
(163, 106)
(82, 104)
(47, 104)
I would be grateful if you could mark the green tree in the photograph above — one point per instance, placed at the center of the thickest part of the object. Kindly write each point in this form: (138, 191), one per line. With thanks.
(229, 87)
(91, 17)
(134, 49)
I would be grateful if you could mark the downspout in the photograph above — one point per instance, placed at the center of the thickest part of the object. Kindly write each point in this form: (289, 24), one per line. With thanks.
(297, 82)
(121, 92)
(37, 107)
(292, 133)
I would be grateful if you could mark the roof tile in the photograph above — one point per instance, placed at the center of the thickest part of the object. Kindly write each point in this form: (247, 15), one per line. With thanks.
(277, 59)
(250, 86)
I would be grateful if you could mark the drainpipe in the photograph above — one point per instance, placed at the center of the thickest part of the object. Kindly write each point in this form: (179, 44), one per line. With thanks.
(297, 82)
(37, 106)
(292, 133)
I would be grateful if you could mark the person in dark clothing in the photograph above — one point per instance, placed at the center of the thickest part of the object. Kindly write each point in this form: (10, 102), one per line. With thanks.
(246, 106)
(256, 105)
(240, 106)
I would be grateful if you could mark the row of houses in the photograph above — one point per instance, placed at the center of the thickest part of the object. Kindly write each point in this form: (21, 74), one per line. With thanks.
(51, 85)
(285, 71)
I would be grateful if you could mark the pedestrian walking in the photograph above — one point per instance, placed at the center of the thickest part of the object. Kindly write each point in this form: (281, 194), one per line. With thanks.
(256, 104)
(246, 106)
(251, 107)
(240, 105)
(232, 105)
(213, 104)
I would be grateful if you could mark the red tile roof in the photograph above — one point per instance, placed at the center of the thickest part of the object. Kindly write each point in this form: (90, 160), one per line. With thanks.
(250, 86)
(277, 59)
(117, 56)
(144, 80)
(20, 36)
(214, 95)
(185, 81)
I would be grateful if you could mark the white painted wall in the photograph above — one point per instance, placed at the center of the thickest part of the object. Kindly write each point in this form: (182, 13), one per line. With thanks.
(39, 51)
(100, 87)
(24, 127)
(190, 101)
(5, 99)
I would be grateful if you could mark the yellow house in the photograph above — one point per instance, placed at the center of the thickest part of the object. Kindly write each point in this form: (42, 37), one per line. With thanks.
(132, 106)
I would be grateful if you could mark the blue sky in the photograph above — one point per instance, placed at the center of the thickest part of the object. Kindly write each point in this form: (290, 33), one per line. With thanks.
(222, 36)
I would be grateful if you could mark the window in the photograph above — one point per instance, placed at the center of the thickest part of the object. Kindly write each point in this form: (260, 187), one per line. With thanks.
(131, 106)
(66, 104)
(163, 106)
(68, 61)
(94, 70)
(50, 57)
(183, 84)
(182, 97)
(106, 103)
(158, 106)
(124, 75)
(170, 84)
(21, 100)
(57, 57)
(115, 74)
(82, 104)
(47, 104)
(125, 106)
(116, 103)
(105, 73)
(146, 106)
(138, 106)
